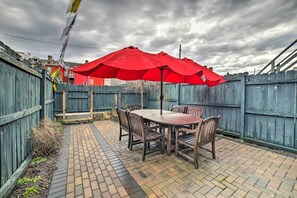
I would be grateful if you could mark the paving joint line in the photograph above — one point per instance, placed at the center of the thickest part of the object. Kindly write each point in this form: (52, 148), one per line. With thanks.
(59, 180)
(127, 180)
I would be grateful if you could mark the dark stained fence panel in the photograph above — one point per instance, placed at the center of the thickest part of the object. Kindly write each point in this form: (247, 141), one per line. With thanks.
(20, 106)
(77, 98)
(105, 98)
(271, 109)
(259, 108)
(224, 100)
(154, 98)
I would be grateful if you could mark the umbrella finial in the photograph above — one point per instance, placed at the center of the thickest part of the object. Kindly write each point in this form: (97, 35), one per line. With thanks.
(131, 47)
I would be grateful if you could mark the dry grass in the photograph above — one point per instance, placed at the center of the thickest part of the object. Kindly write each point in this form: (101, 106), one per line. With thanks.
(46, 138)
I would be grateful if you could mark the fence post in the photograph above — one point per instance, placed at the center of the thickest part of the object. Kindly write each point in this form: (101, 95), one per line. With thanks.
(178, 94)
(64, 103)
(242, 106)
(42, 94)
(91, 103)
(119, 99)
(141, 95)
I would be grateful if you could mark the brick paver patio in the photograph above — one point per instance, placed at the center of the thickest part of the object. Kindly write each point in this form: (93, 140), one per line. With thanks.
(94, 163)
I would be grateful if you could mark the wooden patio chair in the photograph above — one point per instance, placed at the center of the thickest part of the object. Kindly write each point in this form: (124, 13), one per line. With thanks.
(124, 124)
(195, 111)
(144, 133)
(205, 133)
(179, 109)
(133, 107)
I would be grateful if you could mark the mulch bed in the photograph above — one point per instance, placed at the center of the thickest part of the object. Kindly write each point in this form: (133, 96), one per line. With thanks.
(45, 170)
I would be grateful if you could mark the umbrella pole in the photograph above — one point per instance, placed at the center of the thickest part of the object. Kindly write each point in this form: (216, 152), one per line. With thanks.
(161, 94)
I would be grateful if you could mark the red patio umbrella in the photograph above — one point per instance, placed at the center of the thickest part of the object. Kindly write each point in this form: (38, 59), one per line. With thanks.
(187, 71)
(210, 78)
(130, 63)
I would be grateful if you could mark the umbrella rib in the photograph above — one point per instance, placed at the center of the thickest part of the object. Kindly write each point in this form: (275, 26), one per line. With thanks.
(117, 73)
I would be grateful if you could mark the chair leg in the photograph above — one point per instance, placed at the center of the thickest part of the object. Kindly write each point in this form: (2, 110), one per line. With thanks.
(144, 151)
(176, 146)
(131, 142)
(213, 149)
(176, 143)
(196, 158)
(173, 133)
(120, 134)
(148, 145)
(163, 144)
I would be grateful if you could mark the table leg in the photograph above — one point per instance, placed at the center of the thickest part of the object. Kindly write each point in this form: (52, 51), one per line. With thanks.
(169, 140)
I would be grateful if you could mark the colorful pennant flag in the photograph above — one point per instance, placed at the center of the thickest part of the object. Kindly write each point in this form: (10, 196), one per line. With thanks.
(73, 6)
(54, 74)
(56, 78)
(72, 13)
(64, 48)
(69, 24)
(55, 87)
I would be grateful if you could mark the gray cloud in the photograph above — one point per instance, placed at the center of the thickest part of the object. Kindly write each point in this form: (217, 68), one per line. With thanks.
(230, 35)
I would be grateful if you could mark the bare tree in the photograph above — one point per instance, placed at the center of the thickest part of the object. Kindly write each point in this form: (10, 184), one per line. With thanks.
(141, 87)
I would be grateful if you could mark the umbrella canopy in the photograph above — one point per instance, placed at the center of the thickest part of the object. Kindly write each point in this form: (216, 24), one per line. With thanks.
(187, 71)
(130, 63)
(209, 77)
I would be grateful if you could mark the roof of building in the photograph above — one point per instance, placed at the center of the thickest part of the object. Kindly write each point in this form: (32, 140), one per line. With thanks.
(55, 62)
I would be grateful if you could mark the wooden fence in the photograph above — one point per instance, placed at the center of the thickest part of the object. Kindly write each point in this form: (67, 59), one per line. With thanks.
(260, 108)
(25, 98)
(104, 98)
(257, 108)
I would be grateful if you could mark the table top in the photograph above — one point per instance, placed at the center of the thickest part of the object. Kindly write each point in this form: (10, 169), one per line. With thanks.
(168, 118)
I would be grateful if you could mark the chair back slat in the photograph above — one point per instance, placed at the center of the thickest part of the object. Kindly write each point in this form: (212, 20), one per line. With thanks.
(178, 109)
(133, 107)
(137, 125)
(123, 119)
(195, 111)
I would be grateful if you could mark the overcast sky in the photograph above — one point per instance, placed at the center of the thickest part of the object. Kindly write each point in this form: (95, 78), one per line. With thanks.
(229, 35)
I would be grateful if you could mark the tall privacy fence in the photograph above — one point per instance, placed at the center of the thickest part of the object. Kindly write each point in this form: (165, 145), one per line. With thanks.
(257, 108)
(26, 96)
(99, 98)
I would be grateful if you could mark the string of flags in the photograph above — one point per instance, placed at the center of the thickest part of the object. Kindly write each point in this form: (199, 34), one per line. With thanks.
(70, 21)
(71, 16)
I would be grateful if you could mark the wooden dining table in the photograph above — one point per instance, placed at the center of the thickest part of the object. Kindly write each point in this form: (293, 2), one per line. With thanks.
(168, 120)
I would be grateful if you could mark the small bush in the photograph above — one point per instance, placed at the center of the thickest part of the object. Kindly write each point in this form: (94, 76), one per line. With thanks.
(46, 137)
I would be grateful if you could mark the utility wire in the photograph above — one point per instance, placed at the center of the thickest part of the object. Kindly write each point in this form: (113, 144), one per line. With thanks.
(48, 42)
(173, 51)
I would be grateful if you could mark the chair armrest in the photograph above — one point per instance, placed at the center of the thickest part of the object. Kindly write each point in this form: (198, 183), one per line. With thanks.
(152, 128)
(185, 130)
